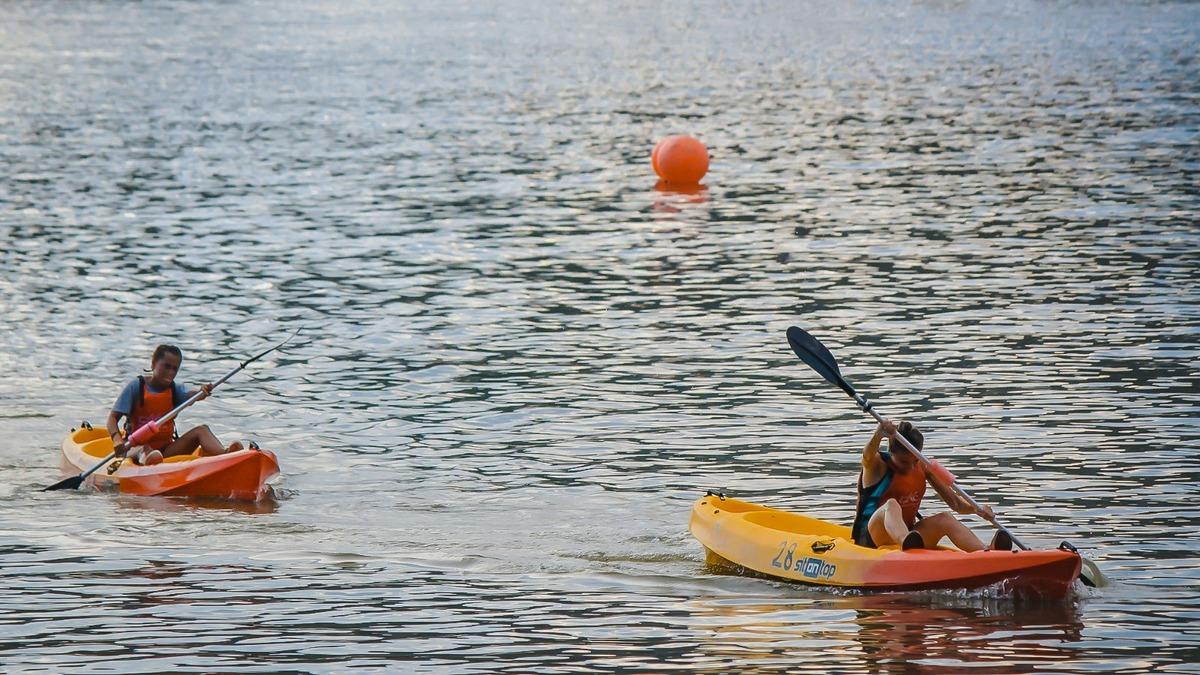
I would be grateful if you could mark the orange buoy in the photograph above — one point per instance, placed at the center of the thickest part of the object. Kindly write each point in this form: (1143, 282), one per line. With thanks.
(680, 160)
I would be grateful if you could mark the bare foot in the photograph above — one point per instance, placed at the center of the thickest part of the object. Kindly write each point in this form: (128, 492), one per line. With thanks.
(235, 446)
(151, 458)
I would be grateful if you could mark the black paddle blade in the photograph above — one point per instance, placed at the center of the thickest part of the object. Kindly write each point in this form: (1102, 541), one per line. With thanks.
(69, 484)
(811, 351)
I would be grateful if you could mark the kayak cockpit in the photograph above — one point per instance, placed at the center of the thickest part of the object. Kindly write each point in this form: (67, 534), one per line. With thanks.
(794, 523)
(96, 442)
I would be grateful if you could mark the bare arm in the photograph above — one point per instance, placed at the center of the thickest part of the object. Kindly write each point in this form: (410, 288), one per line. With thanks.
(956, 502)
(873, 466)
(206, 389)
(948, 495)
(112, 424)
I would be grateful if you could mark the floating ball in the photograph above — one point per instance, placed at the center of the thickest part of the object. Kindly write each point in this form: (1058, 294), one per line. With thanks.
(680, 160)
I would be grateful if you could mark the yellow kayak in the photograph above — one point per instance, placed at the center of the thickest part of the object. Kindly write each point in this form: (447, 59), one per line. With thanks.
(791, 546)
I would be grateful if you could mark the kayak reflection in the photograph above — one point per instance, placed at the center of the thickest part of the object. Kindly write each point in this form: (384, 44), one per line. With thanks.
(991, 637)
(926, 632)
(268, 503)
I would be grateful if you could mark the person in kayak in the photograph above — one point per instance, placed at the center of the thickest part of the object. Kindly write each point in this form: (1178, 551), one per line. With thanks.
(890, 488)
(146, 399)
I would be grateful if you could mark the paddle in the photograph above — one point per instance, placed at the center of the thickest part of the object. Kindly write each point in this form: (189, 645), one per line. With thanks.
(811, 351)
(150, 428)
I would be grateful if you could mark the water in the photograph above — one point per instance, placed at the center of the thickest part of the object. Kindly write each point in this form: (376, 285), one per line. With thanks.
(519, 363)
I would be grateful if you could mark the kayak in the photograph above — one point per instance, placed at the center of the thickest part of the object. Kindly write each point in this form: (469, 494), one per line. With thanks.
(746, 536)
(239, 475)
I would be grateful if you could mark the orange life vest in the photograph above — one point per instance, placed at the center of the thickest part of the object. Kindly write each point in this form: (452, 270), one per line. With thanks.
(906, 488)
(150, 407)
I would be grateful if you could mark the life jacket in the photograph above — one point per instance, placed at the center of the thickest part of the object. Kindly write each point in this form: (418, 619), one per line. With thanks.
(149, 406)
(906, 488)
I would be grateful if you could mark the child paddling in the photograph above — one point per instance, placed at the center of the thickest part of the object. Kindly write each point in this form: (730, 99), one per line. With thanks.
(146, 399)
(890, 489)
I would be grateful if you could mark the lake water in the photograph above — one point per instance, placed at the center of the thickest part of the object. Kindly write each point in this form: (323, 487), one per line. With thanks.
(520, 363)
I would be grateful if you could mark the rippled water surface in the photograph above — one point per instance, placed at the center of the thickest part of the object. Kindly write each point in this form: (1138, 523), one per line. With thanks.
(520, 363)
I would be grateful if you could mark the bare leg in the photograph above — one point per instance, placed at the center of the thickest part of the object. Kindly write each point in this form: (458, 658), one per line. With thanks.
(145, 455)
(887, 524)
(202, 437)
(944, 524)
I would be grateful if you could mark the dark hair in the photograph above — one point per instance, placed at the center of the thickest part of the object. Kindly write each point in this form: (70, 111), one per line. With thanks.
(913, 434)
(163, 350)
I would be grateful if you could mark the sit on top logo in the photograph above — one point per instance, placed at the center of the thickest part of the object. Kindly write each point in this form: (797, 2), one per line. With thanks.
(815, 568)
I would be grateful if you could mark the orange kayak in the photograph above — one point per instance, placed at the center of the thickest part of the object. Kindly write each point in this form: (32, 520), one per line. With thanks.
(236, 475)
(746, 536)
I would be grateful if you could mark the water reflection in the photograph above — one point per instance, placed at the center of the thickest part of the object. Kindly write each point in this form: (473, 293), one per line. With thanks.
(885, 633)
(195, 507)
(670, 198)
(997, 638)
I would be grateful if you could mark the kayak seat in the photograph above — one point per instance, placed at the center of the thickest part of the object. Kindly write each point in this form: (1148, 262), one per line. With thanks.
(97, 447)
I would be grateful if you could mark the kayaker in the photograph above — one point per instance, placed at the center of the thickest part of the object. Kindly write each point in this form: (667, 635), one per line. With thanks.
(148, 398)
(890, 488)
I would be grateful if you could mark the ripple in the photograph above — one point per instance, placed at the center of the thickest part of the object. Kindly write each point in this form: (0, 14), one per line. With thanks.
(520, 363)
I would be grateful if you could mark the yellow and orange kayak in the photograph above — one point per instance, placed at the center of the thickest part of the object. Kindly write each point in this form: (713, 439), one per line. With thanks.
(738, 534)
(239, 475)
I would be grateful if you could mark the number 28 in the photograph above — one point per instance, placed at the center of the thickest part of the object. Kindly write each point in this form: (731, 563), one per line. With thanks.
(785, 556)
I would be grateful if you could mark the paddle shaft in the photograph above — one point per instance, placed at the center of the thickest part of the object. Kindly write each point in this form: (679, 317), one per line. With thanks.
(196, 397)
(83, 476)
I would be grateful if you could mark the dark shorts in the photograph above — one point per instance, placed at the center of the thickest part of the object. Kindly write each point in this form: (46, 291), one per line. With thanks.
(864, 538)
